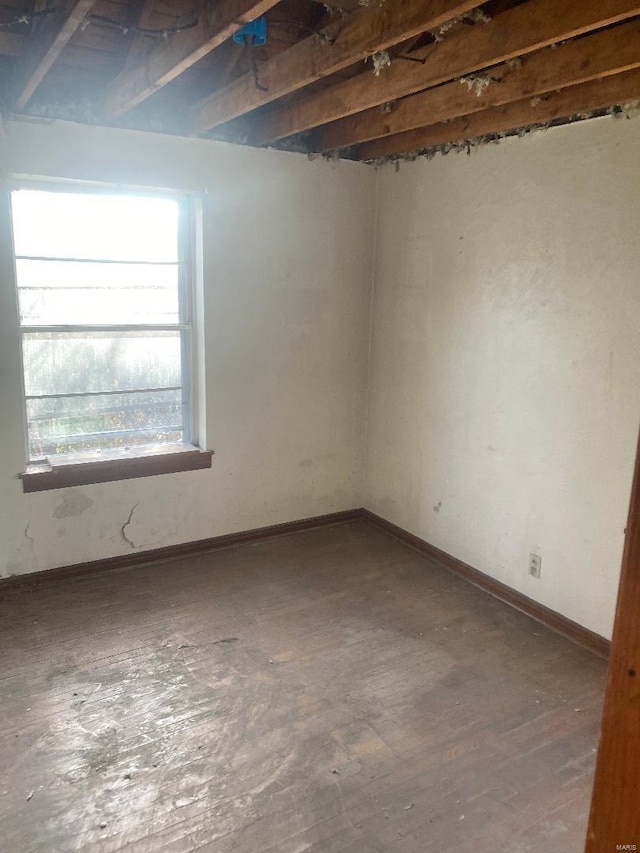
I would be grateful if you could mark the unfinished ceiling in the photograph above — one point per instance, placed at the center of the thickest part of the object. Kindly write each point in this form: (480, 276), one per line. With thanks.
(364, 79)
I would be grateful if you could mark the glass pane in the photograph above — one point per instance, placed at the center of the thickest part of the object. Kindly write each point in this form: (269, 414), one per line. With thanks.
(95, 226)
(62, 292)
(79, 362)
(73, 424)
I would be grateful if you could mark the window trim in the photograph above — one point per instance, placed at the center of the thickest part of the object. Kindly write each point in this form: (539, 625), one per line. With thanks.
(62, 473)
(66, 470)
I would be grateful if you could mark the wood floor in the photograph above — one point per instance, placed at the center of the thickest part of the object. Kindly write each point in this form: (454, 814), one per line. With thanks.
(328, 691)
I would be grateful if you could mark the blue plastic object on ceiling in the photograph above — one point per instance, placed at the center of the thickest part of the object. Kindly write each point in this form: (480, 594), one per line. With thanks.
(254, 33)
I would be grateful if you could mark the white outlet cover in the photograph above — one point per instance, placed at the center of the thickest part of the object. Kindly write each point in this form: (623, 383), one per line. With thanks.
(535, 565)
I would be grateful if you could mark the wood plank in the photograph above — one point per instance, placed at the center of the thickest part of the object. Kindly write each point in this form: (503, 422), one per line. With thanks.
(331, 690)
(574, 100)
(550, 618)
(86, 61)
(615, 812)
(10, 43)
(167, 61)
(178, 552)
(351, 40)
(603, 53)
(524, 29)
(545, 616)
(140, 45)
(225, 69)
(41, 49)
(63, 476)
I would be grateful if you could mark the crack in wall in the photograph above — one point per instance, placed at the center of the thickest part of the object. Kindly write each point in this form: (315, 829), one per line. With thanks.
(32, 546)
(124, 536)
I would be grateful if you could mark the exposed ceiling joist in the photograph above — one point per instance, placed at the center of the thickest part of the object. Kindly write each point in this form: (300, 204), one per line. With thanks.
(140, 45)
(167, 61)
(48, 39)
(523, 29)
(572, 101)
(341, 44)
(606, 52)
(495, 67)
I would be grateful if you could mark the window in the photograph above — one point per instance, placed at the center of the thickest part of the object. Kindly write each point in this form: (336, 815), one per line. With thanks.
(104, 300)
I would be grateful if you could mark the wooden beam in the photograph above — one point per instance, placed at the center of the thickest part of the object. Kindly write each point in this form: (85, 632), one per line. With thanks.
(609, 51)
(166, 61)
(521, 30)
(615, 809)
(140, 45)
(235, 51)
(50, 36)
(574, 100)
(345, 42)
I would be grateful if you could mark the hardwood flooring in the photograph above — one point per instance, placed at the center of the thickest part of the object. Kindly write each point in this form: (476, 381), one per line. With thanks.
(329, 691)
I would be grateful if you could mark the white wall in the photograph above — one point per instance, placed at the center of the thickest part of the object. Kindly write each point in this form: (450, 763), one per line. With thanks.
(287, 266)
(505, 367)
(504, 393)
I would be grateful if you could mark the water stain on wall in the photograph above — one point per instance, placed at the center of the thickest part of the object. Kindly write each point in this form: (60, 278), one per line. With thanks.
(73, 503)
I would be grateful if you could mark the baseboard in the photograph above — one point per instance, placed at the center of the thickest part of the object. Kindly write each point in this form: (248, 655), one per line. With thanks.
(580, 635)
(186, 549)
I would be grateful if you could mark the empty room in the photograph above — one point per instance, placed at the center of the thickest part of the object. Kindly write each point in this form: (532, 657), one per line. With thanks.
(319, 407)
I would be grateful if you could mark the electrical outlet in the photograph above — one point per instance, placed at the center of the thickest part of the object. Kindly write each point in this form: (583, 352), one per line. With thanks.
(535, 565)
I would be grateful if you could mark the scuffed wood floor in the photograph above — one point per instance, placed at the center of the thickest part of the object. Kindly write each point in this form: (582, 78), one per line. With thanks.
(327, 691)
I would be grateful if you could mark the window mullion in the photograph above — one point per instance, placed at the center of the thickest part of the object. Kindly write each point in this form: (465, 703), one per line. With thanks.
(104, 393)
(115, 327)
(185, 291)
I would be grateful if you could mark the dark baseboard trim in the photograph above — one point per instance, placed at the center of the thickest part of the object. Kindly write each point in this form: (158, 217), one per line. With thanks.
(173, 552)
(582, 636)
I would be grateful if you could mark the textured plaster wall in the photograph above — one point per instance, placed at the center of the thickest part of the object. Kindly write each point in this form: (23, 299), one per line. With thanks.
(287, 274)
(504, 393)
(484, 394)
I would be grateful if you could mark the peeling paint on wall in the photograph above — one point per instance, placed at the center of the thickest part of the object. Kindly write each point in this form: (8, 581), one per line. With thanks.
(73, 503)
(254, 356)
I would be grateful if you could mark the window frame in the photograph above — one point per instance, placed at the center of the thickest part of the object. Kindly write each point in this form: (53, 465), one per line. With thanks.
(82, 468)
